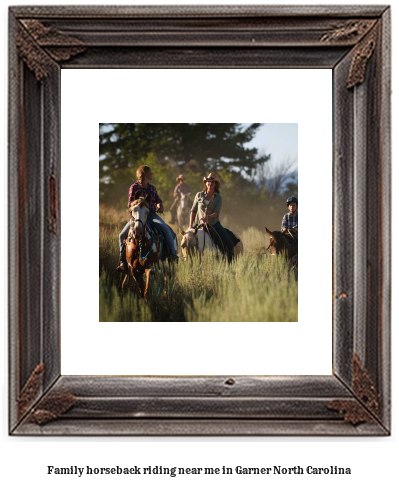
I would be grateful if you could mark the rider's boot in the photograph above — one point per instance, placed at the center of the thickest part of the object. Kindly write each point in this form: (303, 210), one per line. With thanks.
(122, 262)
(121, 267)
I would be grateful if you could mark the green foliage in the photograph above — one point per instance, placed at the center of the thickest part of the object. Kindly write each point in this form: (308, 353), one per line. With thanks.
(193, 149)
(170, 149)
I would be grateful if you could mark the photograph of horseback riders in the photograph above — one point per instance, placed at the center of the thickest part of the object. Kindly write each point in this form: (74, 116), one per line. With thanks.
(198, 222)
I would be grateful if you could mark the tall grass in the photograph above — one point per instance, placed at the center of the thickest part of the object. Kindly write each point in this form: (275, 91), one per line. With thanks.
(256, 287)
(115, 307)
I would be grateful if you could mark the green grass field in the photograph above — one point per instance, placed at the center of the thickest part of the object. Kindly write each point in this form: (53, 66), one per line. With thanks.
(257, 287)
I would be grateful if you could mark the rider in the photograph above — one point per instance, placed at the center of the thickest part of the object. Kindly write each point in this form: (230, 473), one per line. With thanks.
(290, 219)
(181, 187)
(206, 210)
(144, 176)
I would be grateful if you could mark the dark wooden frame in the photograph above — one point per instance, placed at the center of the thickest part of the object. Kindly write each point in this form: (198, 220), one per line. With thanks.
(353, 41)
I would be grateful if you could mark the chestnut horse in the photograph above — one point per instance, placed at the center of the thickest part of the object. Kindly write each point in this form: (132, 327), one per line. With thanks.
(143, 246)
(196, 240)
(284, 242)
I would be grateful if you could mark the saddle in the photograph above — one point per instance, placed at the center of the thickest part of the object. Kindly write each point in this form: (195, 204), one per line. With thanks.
(219, 241)
(233, 237)
(291, 234)
(158, 233)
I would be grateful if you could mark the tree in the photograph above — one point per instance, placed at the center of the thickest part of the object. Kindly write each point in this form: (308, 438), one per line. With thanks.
(177, 147)
(276, 179)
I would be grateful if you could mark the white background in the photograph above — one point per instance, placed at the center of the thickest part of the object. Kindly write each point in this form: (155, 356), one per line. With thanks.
(273, 96)
(373, 460)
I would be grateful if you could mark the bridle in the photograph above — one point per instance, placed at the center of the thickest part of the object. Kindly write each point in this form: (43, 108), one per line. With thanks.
(285, 239)
(196, 227)
(132, 218)
(197, 245)
(135, 220)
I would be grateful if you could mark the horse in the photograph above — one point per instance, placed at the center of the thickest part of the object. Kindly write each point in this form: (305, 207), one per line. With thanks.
(284, 242)
(183, 210)
(197, 240)
(143, 245)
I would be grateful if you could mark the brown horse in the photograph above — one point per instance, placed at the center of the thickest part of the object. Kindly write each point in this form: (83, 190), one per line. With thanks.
(143, 247)
(284, 242)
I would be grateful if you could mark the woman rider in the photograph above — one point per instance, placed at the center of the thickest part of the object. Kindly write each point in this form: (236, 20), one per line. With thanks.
(206, 210)
(144, 176)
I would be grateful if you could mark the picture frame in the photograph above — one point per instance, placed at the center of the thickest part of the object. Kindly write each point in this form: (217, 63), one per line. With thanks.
(352, 41)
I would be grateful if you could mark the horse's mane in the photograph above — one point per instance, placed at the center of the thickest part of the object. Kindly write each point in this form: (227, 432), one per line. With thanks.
(290, 235)
(139, 201)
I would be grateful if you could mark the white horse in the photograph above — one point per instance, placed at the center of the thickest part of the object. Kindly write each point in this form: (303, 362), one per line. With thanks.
(197, 240)
(183, 210)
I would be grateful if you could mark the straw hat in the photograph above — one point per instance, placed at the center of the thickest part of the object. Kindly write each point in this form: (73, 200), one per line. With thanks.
(212, 177)
(180, 177)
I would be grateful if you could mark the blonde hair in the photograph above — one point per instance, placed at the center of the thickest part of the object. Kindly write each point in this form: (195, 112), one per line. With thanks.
(141, 172)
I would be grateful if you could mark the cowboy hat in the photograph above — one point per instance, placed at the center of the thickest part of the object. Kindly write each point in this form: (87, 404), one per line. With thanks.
(212, 177)
(180, 177)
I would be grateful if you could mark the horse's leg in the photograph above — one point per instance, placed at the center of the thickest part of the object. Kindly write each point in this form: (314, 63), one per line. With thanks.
(124, 281)
(138, 276)
(179, 220)
(148, 273)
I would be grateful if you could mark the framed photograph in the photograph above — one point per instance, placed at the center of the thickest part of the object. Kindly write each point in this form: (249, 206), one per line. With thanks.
(353, 43)
(238, 174)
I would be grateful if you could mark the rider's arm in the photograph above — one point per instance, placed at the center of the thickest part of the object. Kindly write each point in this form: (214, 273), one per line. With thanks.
(215, 210)
(192, 218)
(132, 191)
(194, 210)
(284, 225)
(218, 207)
(158, 201)
(209, 217)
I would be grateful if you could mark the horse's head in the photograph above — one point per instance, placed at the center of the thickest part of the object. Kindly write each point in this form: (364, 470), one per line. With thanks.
(277, 243)
(188, 242)
(284, 242)
(139, 211)
(184, 200)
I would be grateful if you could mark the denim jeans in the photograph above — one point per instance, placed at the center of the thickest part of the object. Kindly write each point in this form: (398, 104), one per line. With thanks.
(159, 223)
(167, 233)
(224, 236)
(123, 236)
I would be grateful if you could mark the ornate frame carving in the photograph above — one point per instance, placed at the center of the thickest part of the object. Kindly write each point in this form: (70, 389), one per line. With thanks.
(352, 41)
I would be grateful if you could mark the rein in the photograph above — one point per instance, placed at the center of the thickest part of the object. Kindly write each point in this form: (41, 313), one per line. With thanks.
(152, 243)
(213, 242)
(293, 238)
(145, 227)
(206, 228)
(287, 242)
(196, 238)
(137, 220)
